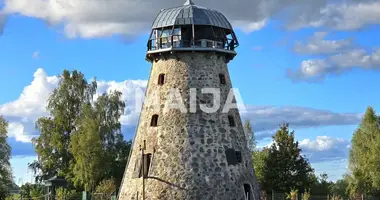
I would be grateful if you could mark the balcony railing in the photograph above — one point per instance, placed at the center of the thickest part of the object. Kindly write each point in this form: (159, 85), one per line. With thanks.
(176, 41)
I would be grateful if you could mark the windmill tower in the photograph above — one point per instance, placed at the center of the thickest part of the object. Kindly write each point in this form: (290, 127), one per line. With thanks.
(189, 153)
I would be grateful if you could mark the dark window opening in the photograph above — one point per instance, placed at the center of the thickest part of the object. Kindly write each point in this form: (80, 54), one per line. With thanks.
(147, 159)
(161, 79)
(154, 121)
(238, 157)
(144, 168)
(231, 157)
(231, 120)
(247, 192)
(222, 79)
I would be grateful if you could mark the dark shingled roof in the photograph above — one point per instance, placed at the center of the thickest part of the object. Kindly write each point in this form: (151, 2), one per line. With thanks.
(189, 14)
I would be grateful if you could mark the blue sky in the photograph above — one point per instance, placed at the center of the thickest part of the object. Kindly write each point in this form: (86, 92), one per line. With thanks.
(319, 77)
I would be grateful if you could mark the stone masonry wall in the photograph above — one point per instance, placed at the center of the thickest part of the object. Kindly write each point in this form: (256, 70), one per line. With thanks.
(188, 149)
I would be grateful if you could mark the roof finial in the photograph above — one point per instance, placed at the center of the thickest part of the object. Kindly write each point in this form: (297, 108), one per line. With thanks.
(188, 2)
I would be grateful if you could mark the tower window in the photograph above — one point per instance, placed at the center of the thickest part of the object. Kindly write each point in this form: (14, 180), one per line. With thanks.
(247, 192)
(144, 168)
(231, 120)
(161, 79)
(222, 79)
(154, 121)
(238, 157)
(147, 159)
(231, 157)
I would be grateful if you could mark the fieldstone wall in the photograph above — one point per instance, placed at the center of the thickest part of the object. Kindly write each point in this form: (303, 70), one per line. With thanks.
(188, 148)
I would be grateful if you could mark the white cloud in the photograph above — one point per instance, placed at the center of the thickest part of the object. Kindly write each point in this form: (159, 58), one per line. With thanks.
(16, 130)
(100, 18)
(318, 45)
(268, 118)
(318, 69)
(348, 15)
(325, 148)
(249, 27)
(23, 112)
(133, 94)
(323, 143)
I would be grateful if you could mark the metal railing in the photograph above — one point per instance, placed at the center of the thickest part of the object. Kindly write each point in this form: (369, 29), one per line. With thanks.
(176, 41)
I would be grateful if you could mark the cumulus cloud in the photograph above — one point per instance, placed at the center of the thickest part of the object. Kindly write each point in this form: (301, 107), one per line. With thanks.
(325, 148)
(268, 118)
(100, 18)
(31, 104)
(347, 15)
(318, 69)
(318, 45)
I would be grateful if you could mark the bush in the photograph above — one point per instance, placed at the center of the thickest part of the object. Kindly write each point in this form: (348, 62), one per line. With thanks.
(65, 194)
(106, 187)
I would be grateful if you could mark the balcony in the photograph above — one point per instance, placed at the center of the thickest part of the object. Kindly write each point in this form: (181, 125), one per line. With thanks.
(177, 43)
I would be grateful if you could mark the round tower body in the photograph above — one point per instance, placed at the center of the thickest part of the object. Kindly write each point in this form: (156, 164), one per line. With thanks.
(190, 143)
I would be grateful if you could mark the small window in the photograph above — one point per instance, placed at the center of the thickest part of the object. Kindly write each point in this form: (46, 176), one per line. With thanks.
(231, 157)
(247, 192)
(231, 120)
(161, 79)
(154, 121)
(147, 159)
(238, 157)
(222, 79)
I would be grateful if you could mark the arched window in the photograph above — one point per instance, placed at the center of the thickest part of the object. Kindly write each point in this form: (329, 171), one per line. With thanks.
(231, 120)
(154, 121)
(247, 192)
(161, 79)
(222, 79)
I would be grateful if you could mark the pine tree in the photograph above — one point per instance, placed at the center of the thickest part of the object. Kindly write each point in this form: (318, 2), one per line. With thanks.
(285, 167)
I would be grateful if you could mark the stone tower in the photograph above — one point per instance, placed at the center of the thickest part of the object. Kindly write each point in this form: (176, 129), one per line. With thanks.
(191, 152)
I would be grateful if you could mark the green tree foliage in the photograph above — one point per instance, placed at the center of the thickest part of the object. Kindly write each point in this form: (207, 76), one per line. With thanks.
(5, 156)
(81, 139)
(259, 159)
(285, 167)
(250, 135)
(64, 106)
(106, 187)
(31, 191)
(364, 161)
(65, 194)
(340, 188)
(320, 185)
(37, 193)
